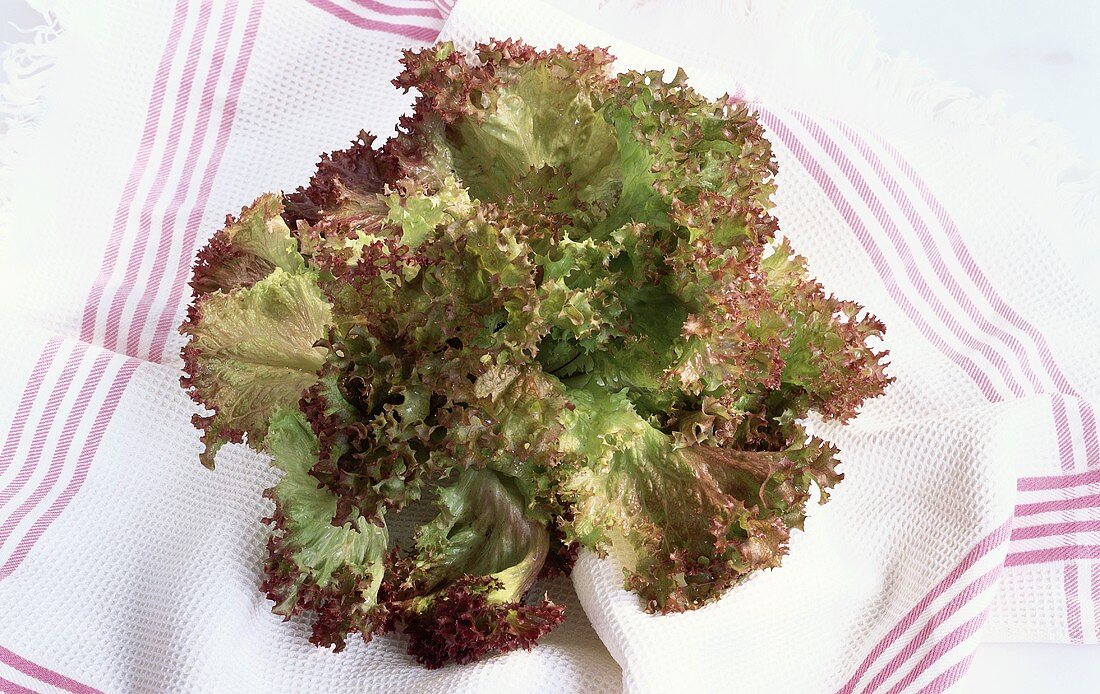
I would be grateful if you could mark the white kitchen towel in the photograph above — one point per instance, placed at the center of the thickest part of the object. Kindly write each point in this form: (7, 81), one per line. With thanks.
(971, 504)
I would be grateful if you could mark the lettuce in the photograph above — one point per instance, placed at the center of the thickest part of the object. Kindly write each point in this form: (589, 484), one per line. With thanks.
(554, 306)
(312, 565)
(254, 323)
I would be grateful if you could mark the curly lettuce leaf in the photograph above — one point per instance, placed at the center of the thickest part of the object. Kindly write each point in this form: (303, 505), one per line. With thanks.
(696, 519)
(247, 249)
(343, 180)
(252, 351)
(474, 564)
(335, 573)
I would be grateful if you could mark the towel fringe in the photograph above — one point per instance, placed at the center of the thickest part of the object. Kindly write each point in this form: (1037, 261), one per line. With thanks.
(836, 31)
(24, 74)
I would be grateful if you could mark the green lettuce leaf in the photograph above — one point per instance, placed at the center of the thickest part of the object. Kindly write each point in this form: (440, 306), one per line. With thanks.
(252, 351)
(695, 520)
(312, 566)
(474, 564)
(247, 249)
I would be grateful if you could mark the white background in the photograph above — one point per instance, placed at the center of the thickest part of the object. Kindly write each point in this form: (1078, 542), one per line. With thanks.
(1042, 58)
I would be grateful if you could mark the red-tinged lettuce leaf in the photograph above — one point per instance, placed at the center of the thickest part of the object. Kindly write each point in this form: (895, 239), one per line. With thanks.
(465, 623)
(256, 316)
(507, 112)
(252, 350)
(342, 177)
(248, 249)
(695, 520)
(463, 596)
(828, 358)
(332, 573)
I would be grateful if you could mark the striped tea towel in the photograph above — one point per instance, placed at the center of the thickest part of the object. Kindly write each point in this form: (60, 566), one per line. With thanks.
(971, 504)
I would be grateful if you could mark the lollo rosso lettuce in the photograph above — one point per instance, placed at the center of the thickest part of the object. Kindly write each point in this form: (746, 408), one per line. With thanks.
(554, 307)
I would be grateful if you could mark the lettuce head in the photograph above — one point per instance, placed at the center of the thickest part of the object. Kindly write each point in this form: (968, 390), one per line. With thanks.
(553, 307)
